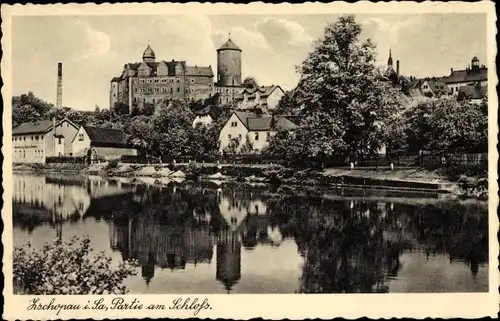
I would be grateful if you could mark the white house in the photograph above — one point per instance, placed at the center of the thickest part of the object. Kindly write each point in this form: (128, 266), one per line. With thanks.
(475, 74)
(266, 97)
(256, 129)
(203, 117)
(110, 143)
(32, 142)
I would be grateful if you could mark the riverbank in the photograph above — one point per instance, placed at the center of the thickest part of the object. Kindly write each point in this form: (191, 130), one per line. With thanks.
(401, 179)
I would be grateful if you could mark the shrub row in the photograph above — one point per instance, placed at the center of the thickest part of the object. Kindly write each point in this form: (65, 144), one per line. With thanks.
(65, 159)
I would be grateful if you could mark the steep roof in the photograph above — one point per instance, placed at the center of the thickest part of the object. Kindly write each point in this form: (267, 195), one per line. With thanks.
(254, 122)
(467, 75)
(106, 135)
(437, 87)
(229, 45)
(474, 92)
(36, 127)
(149, 53)
(264, 91)
(189, 70)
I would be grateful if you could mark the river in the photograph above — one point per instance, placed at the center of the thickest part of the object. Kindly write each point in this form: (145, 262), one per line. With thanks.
(212, 237)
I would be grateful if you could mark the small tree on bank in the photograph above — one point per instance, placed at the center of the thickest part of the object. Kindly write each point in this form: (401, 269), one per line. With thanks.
(67, 268)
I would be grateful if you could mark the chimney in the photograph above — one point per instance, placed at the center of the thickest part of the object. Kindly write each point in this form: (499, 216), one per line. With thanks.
(451, 69)
(59, 85)
(397, 68)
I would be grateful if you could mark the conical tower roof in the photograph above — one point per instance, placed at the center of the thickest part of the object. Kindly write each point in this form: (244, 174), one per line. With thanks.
(229, 45)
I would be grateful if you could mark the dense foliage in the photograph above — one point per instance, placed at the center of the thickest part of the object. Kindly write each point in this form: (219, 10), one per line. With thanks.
(67, 268)
(158, 130)
(348, 111)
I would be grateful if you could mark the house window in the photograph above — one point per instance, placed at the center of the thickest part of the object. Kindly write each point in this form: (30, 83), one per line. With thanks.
(24, 138)
(234, 124)
(59, 141)
(239, 136)
(178, 80)
(256, 136)
(178, 90)
(171, 80)
(229, 136)
(80, 137)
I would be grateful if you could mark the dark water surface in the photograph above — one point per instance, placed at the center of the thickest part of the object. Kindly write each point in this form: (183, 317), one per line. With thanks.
(191, 237)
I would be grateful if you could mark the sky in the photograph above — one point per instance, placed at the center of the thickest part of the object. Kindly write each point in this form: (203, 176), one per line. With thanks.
(93, 49)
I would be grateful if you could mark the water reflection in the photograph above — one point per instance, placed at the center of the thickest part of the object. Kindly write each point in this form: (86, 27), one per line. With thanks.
(342, 244)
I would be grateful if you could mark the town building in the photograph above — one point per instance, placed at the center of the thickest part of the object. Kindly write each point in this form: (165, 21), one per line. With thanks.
(263, 97)
(255, 130)
(152, 81)
(203, 117)
(474, 93)
(107, 142)
(34, 141)
(434, 88)
(472, 75)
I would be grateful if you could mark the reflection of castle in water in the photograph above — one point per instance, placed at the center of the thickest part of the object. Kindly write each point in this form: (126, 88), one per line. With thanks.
(226, 221)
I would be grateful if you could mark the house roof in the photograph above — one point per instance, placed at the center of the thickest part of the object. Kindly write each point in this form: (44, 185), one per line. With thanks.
(36, 127)
(467, 75)
(437, 87)
(474, 92)
(229, 45)
(188, 70)
(106, 135)
(264, 91)
(254, 122)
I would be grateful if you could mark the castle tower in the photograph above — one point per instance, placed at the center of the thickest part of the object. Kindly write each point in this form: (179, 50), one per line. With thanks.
(229, 64)
(149, 55)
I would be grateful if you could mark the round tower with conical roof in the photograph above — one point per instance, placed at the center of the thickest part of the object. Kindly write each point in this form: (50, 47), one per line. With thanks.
(229, 64)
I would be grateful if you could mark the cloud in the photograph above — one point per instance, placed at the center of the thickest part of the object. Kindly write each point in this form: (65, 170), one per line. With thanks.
(279, 31)
(392, 31)
(98, 43)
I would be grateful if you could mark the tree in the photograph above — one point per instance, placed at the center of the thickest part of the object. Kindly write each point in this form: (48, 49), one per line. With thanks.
(121, 108)
(67, 268)
(288, 104)
(339, 84)
(250, 83)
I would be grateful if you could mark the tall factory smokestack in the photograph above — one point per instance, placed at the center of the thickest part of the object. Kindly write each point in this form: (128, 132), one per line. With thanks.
(59, 85)
(397, 68)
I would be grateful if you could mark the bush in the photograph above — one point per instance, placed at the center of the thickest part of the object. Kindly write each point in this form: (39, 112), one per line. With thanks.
(67, 268)
(112, 164)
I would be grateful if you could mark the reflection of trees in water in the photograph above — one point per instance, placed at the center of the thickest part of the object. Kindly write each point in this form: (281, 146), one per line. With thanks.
(347, 246)
(461, 231)
(355, 246)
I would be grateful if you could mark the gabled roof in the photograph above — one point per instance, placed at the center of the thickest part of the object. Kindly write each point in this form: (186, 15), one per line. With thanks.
(115, 79)
(437, 87)
(467, 75)
(264, 91)
(229, 45)
(37, 127)
(254, 122)
(189, 70)
(474, 92)
(105, 135)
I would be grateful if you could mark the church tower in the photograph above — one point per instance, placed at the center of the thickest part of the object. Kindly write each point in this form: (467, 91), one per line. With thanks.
(229, 64)
(389, 61)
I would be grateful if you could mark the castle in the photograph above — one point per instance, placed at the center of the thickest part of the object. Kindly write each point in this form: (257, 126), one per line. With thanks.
(152, 81)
